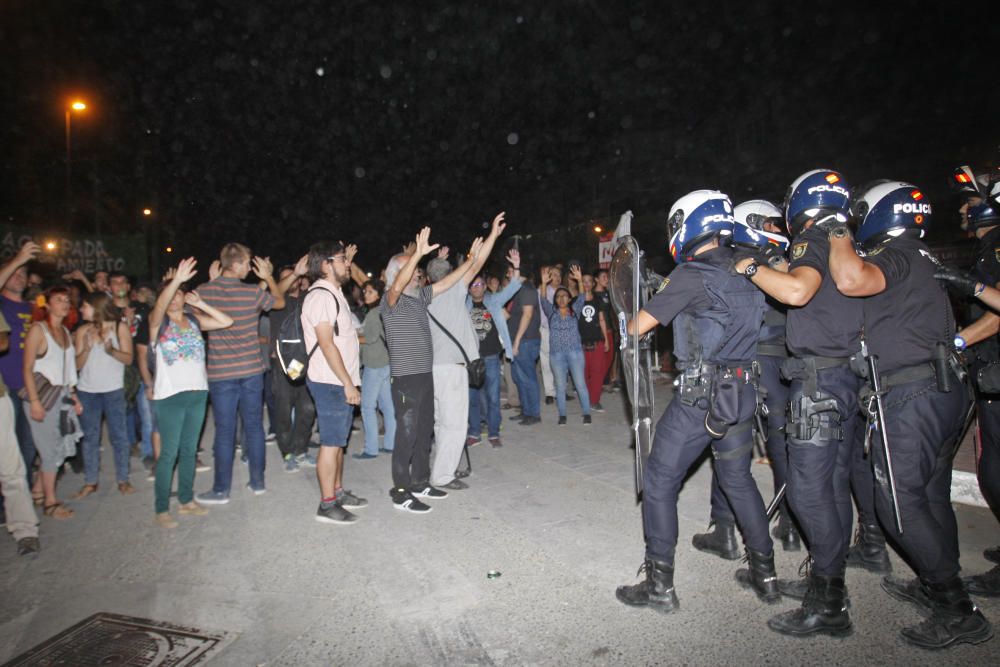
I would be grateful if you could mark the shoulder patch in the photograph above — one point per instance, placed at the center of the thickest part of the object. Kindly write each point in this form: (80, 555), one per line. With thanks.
(875, 251)
(799, 249)
(663, 285)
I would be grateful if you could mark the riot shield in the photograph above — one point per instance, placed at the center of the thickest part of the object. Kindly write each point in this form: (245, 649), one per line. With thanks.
(628, 289)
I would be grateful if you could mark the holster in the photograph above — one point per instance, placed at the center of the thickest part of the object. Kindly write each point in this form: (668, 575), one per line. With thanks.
(809, 415)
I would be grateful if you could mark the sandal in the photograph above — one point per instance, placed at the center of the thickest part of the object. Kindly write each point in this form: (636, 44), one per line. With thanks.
(125, 488)
(58, 511)
(85, 491)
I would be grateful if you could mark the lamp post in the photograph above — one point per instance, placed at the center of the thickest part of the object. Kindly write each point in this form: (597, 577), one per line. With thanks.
(76, 105)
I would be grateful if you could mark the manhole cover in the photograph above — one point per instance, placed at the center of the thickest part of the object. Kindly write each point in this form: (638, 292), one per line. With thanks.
(113, 640)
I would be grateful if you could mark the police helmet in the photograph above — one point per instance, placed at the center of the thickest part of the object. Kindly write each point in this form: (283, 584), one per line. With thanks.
(696, 218)
(968, 183)
(889, 209)
(817, 195)
(984, 214)
(758, 212)
(748, 232)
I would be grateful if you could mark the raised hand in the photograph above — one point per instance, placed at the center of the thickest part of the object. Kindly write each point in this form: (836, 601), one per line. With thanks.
(498, 224)
(350, 251)
(576, 274)
(410, 248)
(302, 266)
(27, 252)
(193, 299)
(185, 271)
(422, 244)
(214, 270)
(262, 267)
(514, 257)
(476, 248)
(75, 274)
(443, 252)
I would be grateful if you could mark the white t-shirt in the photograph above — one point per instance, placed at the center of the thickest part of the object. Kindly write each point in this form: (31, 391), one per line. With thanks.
(180, 360)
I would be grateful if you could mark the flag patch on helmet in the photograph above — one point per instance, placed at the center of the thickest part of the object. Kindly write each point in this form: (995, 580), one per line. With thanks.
(799, 249)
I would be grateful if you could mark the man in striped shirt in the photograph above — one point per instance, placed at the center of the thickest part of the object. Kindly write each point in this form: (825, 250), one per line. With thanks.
(411, 358)
(236, 365)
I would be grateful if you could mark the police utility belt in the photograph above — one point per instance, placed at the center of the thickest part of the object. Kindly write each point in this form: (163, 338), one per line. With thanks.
(814, 412)
(715, 388)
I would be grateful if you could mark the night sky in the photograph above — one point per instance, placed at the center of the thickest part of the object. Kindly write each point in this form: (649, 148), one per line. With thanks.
(279, 123)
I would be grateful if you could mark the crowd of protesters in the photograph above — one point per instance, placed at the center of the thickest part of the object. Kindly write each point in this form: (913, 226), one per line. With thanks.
(87, 351)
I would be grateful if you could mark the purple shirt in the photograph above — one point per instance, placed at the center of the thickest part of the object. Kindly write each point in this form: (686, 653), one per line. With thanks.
(18, 316)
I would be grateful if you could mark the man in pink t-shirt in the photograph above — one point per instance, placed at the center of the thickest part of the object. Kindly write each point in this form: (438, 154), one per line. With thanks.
(333, 375)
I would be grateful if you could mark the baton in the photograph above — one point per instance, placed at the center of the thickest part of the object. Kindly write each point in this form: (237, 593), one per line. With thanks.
(778, 497)
(876, 384)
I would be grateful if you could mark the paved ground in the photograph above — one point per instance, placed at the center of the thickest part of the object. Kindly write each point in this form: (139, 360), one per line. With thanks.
(552, 510)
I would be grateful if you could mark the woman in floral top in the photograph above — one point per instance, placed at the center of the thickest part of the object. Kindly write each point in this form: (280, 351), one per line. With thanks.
(565, 348)
(180, 386)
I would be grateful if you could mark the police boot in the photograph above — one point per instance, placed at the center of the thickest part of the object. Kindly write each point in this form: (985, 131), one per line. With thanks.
(986, 585)
(787, 533)
(721, 541)
(823, 611)
(760, 577)
(909, 590)
(955, 619)
(657, 591)
(869, 550)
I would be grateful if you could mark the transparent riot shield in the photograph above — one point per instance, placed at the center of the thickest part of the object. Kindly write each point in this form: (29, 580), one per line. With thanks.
(628, 294)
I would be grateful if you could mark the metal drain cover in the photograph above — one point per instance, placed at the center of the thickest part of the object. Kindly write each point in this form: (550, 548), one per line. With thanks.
(112, 640)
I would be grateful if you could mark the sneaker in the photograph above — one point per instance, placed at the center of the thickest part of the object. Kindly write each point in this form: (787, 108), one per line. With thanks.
(192, 509)
(244, 458)
(291, 464)
(348, 499)
(383, 450)
(364, 456)
(28, 546)
(151, 475)
(201, 467)
(597, 407)
(335, 513)
(257, 491)
(455, 485)
(408, 503)
(530, 421)
(587, 419)
(562, 420)
(570, 397)
(164, 520)
(473, 440)
(496, 442)
(307, 460)
(429, 491)
(271, 438)
(212, 498)
(549, 400)
(517, 417)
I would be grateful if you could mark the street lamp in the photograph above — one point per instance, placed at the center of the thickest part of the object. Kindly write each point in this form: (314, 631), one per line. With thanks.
(75, 105)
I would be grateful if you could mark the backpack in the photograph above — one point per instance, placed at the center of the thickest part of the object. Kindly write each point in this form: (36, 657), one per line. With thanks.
(290, 345)
(153, 342)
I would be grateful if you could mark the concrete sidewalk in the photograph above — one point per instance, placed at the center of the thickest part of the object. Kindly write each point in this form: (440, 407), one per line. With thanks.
(552, 510)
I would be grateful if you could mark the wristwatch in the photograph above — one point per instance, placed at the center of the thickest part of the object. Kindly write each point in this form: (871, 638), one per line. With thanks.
(751, 269)
(959, 343)
(840, 232)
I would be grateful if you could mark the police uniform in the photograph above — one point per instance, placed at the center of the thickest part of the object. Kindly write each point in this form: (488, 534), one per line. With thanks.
(716, 322)
(987, 270)
(824, 424)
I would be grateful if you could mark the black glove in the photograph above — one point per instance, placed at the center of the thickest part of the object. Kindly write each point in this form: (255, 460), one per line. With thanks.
(745, 252)
(957, 280)
(830, 223)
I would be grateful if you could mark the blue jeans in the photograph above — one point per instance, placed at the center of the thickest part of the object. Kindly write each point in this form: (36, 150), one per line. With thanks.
(112, 405)
(572, 361)
(376, 390)
(144, 409)
(525, 377)
(245, 397)
(486, 399)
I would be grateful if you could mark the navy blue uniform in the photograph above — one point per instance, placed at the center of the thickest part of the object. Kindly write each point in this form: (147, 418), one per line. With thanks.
(716, 319)
(903, 325)
(987, 270)
(825, 332)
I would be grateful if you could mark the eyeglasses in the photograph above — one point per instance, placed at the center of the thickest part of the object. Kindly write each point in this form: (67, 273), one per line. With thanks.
(337, 258)
(478, 283)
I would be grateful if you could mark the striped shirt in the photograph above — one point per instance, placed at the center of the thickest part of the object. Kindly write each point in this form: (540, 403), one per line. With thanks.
(408, 333)
(234, 353)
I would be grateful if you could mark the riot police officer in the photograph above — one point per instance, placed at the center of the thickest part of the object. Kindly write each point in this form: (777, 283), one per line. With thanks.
(822, 333)
(758, 233)
(981, 215)
(909, 329)
(716, 318)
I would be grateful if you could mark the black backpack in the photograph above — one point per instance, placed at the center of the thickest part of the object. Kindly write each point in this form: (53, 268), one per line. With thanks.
(291, 343)
(153, 342)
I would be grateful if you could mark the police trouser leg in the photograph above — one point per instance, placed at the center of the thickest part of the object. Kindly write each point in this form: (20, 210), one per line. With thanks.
(863, 482)
(989, 459)
(679, 440)
(819, 468)
(777, 402)
(923, 425)
(721, 512)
